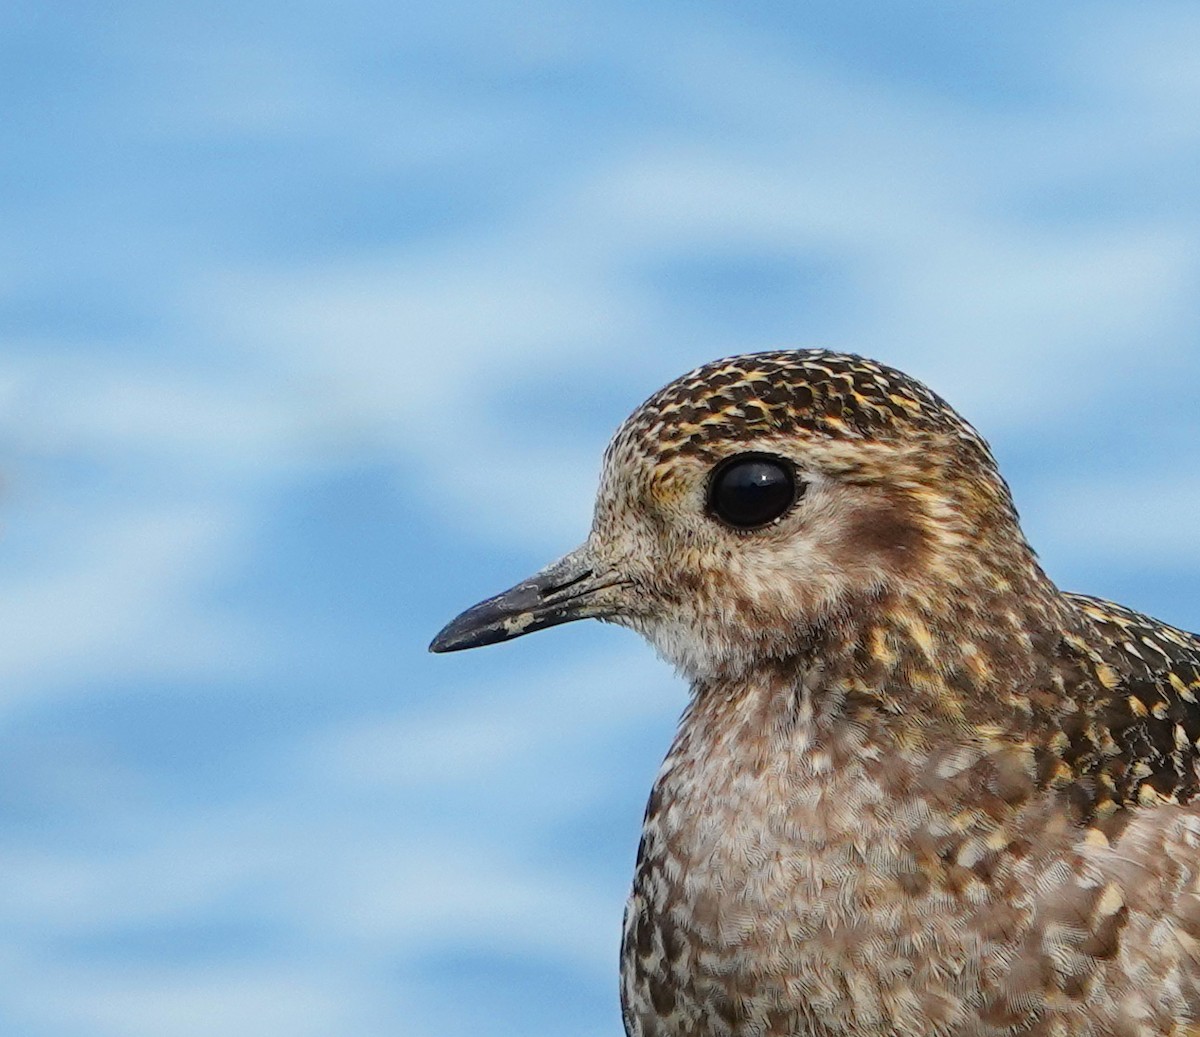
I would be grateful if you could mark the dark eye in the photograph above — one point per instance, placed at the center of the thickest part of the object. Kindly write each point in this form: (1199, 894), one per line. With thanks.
(751, 490)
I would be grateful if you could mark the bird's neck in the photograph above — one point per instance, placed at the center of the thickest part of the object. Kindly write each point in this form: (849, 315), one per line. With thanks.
(933, 662)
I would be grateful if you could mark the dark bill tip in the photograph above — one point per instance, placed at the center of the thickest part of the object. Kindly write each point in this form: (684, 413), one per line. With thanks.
(563, 592)
(505, 616)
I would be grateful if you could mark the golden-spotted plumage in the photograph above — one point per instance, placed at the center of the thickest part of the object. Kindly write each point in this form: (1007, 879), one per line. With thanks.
(917, 790)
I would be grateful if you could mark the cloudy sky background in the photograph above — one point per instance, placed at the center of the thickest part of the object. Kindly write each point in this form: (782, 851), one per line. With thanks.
(314, 322)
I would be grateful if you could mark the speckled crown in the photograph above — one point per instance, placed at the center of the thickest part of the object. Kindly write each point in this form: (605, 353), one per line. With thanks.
(742, 398)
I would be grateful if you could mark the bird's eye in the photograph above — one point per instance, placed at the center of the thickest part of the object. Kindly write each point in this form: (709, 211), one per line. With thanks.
(750, 490)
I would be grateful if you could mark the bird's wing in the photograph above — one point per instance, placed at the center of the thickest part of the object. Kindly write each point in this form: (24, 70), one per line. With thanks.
(1138, 743)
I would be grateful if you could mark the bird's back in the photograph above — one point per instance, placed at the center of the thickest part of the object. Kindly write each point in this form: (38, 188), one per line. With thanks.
(1141, 743)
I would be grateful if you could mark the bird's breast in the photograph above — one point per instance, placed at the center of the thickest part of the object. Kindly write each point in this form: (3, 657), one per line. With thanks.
(782, 888)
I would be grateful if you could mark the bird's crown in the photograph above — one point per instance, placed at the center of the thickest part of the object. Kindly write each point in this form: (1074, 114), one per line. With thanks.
(788, 392)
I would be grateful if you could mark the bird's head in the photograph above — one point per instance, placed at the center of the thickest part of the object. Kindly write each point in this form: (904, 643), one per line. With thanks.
(756, 501)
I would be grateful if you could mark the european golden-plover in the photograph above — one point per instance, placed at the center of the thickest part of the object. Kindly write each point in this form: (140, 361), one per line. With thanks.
(917, 790)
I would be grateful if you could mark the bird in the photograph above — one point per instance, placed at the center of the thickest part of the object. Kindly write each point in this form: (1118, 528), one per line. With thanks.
(917, 789)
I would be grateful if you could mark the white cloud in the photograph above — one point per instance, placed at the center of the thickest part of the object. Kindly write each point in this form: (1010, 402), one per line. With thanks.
(487, 727)
(115, 601)
(233, 997)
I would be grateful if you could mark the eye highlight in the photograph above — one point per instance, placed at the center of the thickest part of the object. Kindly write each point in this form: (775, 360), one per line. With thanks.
(750, 490)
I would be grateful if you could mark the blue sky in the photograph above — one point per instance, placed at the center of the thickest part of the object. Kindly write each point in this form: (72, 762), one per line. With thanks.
(314, 322)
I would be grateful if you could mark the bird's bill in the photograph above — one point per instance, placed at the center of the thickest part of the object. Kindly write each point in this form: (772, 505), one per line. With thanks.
(572, 588)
